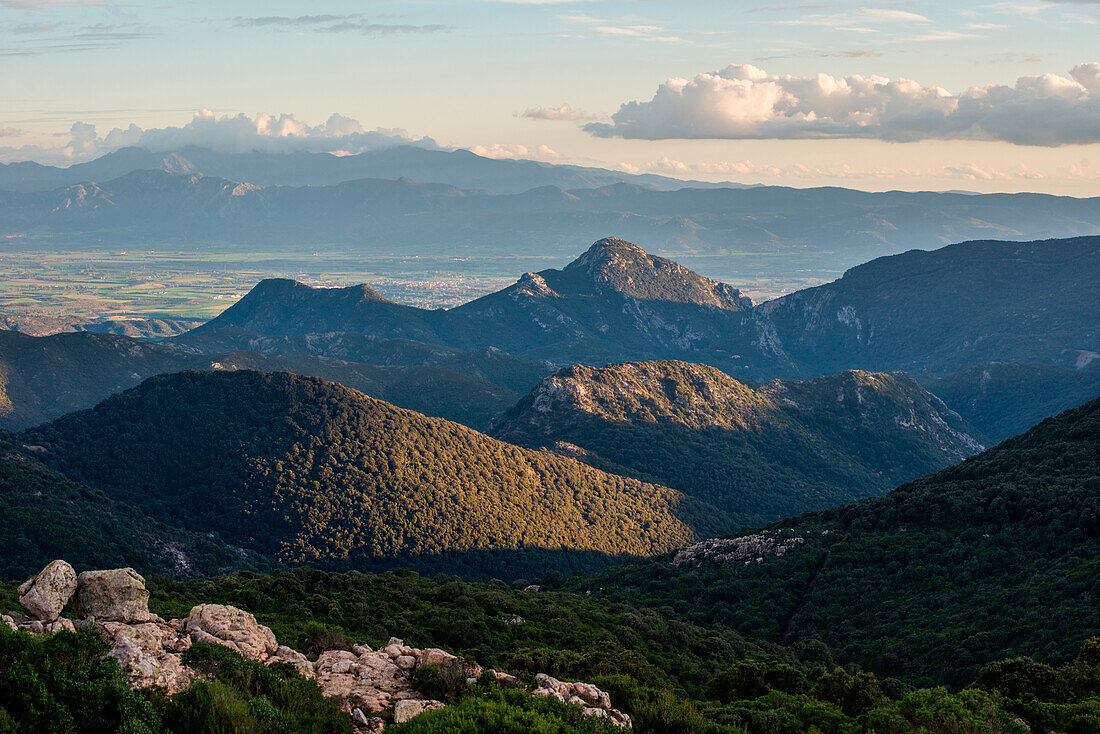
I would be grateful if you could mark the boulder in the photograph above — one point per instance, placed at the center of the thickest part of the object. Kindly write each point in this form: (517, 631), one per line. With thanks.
(116, 595)
(372, 681)
(149, 654)
(5, 619)
(59, 625)
(409, 709)
(232, 627)
(33, 626)
(284, 654)
(367, 724)
(45, 595)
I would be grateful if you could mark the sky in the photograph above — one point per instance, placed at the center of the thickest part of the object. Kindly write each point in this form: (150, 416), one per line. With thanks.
(994, 96)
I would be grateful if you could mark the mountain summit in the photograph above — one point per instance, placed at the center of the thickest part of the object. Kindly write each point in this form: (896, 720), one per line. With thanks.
(628, 269)
(614, 301)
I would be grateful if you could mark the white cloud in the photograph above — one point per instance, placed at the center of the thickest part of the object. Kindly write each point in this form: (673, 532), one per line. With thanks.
(750, 170)
(744, 102)
(565, 112)
(515, 151)
(858, 19)
(226, 134)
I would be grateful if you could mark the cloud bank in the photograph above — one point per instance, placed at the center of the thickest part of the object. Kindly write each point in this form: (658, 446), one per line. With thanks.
(746, 103)
(224, 134)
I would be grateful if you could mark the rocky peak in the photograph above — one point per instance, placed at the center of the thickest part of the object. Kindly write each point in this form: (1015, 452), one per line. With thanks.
(694, 395)
(617, 265)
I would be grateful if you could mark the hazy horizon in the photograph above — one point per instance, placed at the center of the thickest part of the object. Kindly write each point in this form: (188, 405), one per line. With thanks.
(998, 97)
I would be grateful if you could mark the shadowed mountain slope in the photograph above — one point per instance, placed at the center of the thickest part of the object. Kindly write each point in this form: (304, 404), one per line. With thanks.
(42, 378)
(44, 515)
(1003, 399)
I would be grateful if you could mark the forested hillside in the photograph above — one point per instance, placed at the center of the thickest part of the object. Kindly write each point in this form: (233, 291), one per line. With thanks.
(307, 471)
(44, 515)
(994, 557)
(759, 453)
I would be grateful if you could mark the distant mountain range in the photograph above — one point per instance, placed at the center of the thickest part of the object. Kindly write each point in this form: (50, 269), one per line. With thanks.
(756, 453)
(933, 314)
(923, 312)
(614, 300)
(774, 230)
(459, 168)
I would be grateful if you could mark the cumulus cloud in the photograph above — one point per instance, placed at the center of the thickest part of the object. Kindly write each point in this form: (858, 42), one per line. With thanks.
(514, 151)
(744, 102)
(565, 112)
(226, 134)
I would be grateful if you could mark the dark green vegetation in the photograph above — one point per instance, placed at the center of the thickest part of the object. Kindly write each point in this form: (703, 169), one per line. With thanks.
(756, 453)
(672, 677)
(567, 635)
(434, 391)
(1002, 399)
(44, 515)
(63, 683)
(306, 471)
(42, 378)
(997, 556)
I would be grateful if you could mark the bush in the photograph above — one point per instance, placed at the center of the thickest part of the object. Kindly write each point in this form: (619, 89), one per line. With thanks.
(246, 697)
(853, 694)
(1023, 679)
(63, 683)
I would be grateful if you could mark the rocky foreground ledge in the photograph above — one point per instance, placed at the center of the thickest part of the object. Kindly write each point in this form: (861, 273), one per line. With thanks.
(149, 649)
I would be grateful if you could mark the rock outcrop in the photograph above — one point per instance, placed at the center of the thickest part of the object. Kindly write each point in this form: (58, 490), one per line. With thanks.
(149, 653)
(377, 680)
(150, 650)
(594, 701)
(45, 595)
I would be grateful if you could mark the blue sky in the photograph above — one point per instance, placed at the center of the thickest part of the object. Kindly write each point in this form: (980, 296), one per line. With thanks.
(486, 75)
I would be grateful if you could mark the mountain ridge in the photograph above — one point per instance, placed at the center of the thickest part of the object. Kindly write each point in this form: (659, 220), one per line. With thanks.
(303, 470)
(759, 453)
(616, 302)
